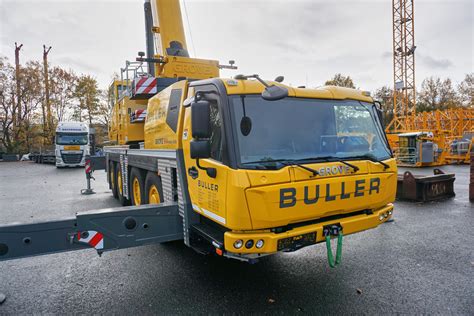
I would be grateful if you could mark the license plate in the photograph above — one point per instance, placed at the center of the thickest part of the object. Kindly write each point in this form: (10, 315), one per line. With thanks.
(297, 242)
(72, 147)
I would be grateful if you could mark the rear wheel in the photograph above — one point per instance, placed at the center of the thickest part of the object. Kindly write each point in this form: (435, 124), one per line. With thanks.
(113, 182)
(137, 187)
(153, 189)
(119, 181)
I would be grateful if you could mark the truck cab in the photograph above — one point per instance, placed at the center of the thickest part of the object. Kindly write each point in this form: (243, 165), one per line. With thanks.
(265, 171)
(72, 144)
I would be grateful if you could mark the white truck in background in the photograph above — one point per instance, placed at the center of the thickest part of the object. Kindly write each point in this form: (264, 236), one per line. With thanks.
(72, 144)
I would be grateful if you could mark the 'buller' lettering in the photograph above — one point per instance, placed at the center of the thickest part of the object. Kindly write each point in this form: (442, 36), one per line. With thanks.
(208, 186)
(312, 193)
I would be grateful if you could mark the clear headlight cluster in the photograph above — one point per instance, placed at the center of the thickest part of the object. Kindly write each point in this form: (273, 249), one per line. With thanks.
(383, 216)
(249, 243)
(238, 244)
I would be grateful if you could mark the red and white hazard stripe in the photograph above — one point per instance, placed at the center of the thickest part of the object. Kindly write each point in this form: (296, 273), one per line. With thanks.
(138, 116)
(92, 238)
(88, 166)
(146, 85)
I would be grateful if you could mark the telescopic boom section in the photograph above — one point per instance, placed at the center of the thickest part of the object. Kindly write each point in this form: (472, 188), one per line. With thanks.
(168, 27)
(171, 55)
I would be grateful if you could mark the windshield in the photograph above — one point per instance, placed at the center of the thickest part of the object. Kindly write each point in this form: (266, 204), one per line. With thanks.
(299, 129)
(71, 138)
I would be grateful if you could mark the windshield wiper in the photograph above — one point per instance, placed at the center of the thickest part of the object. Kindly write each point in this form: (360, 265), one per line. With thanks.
(349, 164)
(293, 163)
(260, 163)
(285, 162)
(331, 159)
(371, 158)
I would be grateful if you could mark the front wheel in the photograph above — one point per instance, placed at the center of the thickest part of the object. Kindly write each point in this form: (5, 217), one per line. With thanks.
(153, 189)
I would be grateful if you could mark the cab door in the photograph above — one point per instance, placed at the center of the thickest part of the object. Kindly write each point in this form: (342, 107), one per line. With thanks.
(207, 189)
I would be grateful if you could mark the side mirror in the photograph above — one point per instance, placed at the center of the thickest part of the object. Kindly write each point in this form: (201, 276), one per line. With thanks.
(380, 115)
(378, 108)
(201, 119)
(273, 93)
(201, 132)
(200, 149)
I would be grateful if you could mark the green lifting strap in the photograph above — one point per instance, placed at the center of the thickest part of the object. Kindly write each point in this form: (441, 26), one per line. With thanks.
(331, 262)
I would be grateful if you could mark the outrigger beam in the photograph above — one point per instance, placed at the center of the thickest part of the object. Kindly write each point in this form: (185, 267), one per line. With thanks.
(104, 230)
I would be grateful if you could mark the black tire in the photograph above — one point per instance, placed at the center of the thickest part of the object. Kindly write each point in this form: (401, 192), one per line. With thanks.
(153, 180)
(137, 177)
(123, 200)
(112, 179)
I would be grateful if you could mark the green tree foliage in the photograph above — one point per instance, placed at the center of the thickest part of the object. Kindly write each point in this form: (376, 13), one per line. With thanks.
(7, 101)
(88, 95)
(32, 96)
(341, 81)
(20, 137)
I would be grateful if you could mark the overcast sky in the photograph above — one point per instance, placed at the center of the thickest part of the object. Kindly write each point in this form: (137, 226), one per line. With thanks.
(306, 41)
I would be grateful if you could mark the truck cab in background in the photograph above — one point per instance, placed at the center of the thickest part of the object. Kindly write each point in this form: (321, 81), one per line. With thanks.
(72, 144)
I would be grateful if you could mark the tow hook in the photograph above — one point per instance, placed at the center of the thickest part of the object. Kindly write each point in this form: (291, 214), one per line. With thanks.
(333, 230)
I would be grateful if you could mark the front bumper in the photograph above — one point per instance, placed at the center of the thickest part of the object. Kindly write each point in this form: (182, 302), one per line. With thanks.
(350, 225)
(61, 163)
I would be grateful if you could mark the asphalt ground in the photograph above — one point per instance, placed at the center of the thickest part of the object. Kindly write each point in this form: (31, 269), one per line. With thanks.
(421, 263)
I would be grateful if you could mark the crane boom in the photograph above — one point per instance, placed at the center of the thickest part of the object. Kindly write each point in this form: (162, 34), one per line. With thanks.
(168, 28)
(171, 59)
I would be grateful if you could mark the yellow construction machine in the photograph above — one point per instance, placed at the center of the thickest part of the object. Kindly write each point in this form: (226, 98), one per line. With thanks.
(256, 166)
(239, 167)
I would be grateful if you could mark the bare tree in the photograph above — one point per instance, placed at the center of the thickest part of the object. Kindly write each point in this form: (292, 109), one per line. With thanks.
(31, 96)
(7, 104)
(466, 90)
(63, 87)
(341, 81)
(385, 96)
(436, 94)
(87, 93)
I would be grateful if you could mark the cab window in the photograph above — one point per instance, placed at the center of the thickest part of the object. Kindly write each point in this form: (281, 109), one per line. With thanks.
(216, 132)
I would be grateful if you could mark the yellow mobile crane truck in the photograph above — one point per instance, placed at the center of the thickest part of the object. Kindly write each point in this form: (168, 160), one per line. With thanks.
(239, 167)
